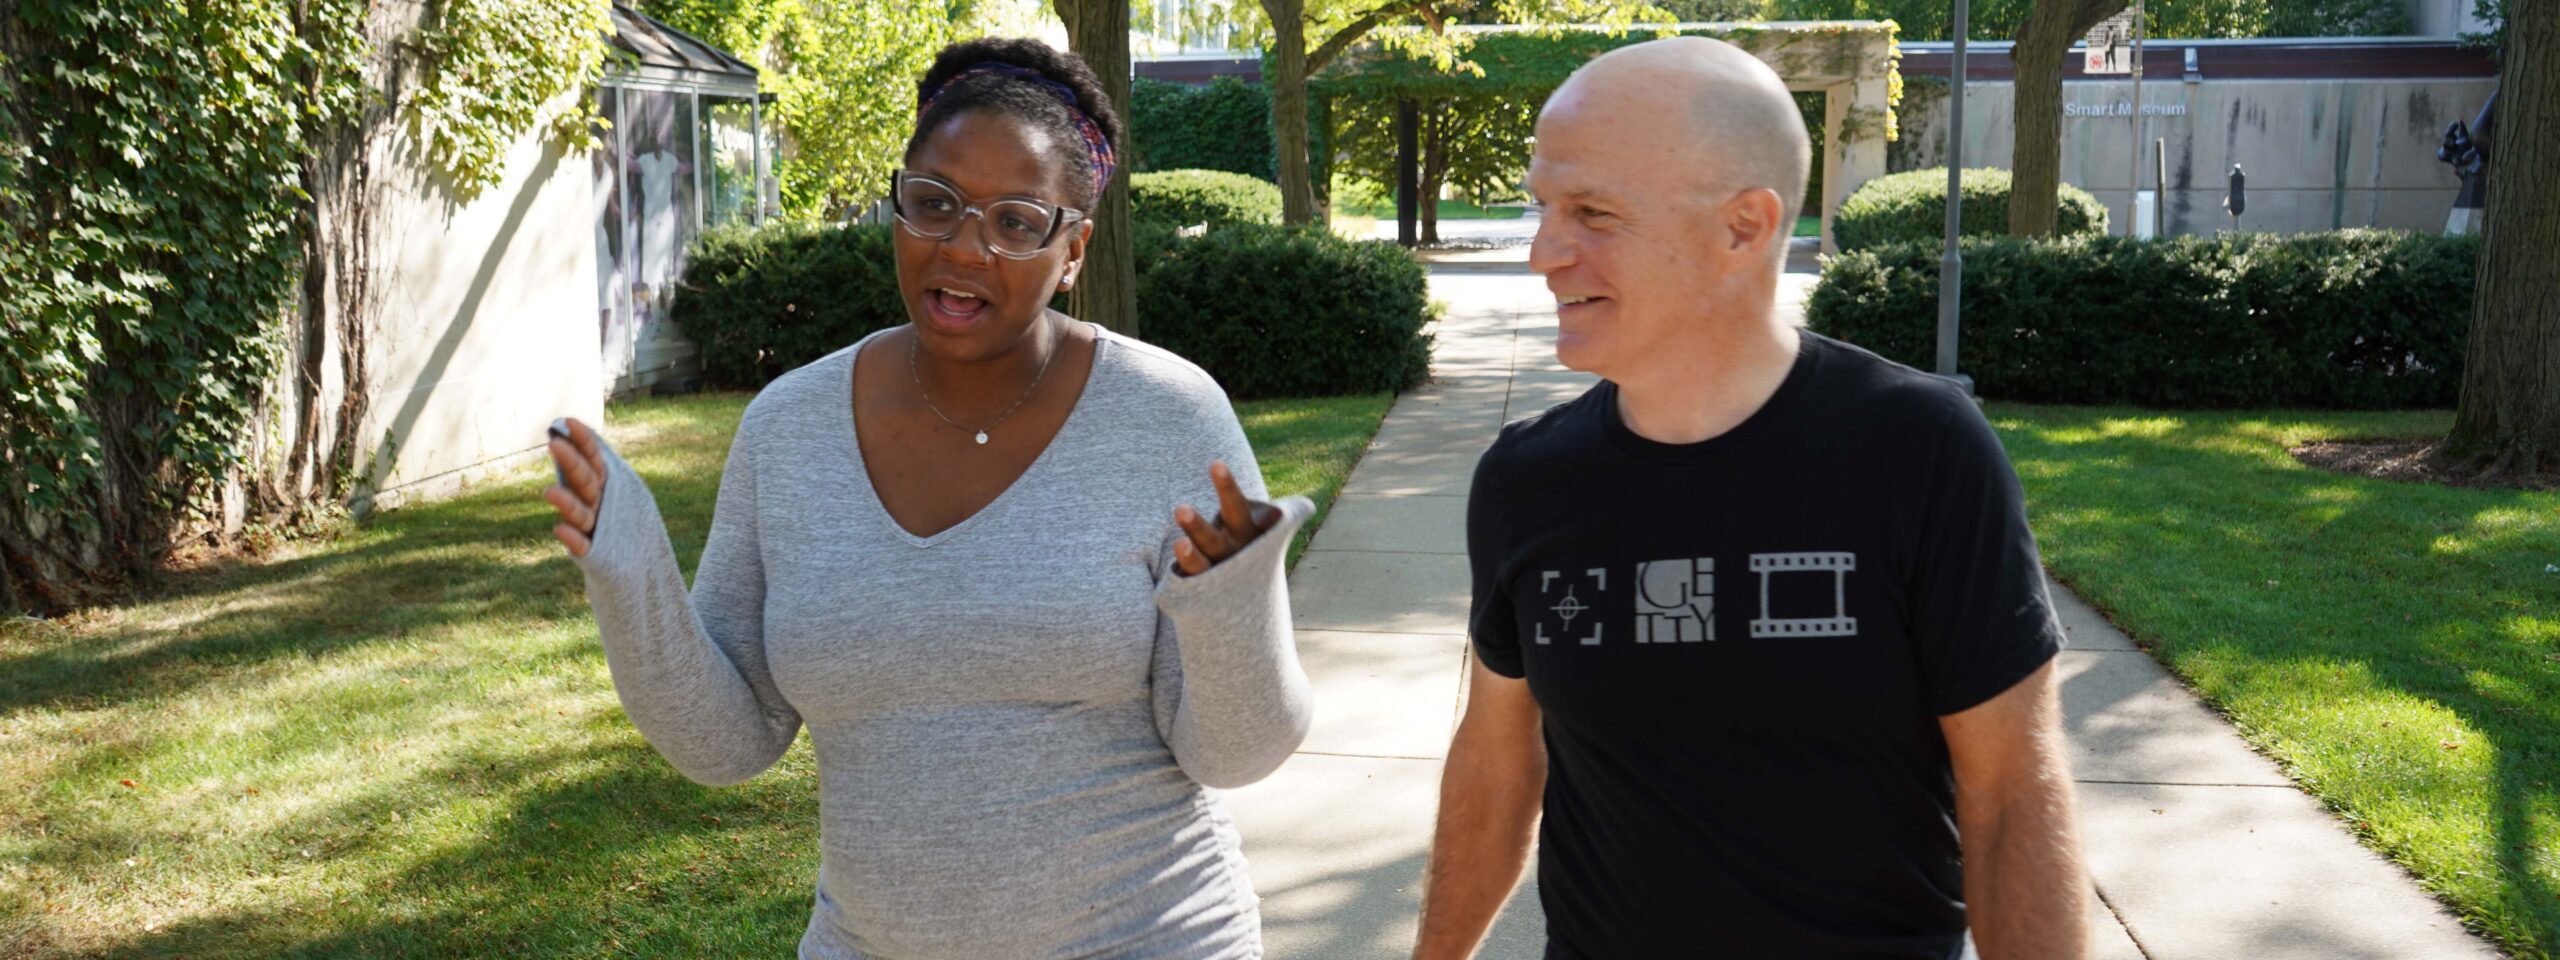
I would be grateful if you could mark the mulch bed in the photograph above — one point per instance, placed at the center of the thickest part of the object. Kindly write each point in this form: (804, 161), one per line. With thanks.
(2410, 461)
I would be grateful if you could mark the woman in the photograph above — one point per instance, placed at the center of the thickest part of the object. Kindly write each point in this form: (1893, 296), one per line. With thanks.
(961, 552)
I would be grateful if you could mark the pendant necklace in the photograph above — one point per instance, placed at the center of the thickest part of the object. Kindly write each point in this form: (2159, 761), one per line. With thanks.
(918, 373)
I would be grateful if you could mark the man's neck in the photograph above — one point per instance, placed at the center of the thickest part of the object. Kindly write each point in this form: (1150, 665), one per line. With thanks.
(1710, 382)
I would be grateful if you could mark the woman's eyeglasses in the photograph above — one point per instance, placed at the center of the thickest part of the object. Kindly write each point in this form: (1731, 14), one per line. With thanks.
(1015, 227)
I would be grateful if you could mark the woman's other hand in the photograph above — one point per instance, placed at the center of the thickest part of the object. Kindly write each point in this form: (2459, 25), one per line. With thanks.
(579, 463)
(1205, 541)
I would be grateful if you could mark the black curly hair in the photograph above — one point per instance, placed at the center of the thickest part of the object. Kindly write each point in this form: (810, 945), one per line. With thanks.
(1022, 98)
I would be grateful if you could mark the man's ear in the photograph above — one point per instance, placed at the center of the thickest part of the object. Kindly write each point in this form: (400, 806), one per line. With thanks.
(1754, 217)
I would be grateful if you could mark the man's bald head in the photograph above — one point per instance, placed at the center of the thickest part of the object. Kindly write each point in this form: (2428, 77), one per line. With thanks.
(1742, 129)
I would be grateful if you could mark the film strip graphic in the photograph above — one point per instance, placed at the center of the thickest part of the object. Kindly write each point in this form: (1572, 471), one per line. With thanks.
(1838, 565)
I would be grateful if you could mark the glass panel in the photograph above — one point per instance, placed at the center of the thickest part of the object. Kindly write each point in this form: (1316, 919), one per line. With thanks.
(728, 137)
(614, 253)
(659, 171)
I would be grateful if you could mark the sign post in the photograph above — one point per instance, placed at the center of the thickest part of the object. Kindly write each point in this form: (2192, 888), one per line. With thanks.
(1951, 263)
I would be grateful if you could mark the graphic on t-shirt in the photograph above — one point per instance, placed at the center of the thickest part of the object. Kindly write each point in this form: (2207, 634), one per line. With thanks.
(1839, 565)
(1676, 601)
(1569, 607)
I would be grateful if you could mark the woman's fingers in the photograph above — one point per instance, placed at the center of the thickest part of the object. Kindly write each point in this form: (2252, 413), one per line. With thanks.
(571, 538)
(580, 460)
(591, 449)
(1187, 558)
(1205, 538)
(577, 473)
(1234, 512)
(578, 514)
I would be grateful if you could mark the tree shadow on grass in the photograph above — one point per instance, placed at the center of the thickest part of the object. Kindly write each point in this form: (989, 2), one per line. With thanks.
(464, 562)
(2240, 568)
(599, 849)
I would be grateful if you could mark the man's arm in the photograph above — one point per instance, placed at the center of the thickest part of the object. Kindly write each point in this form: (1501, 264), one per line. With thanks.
(2024, 883)
(1490, 793)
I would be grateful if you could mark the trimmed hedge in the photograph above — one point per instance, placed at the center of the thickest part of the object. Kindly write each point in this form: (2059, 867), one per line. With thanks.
(1267, 310)
(1912, 205)
(763, 302)
(1181, 198)
(1223, 125)
(2353, 318)
(1291, 311)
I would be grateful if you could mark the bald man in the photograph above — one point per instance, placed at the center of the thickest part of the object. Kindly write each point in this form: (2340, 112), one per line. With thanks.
(1759, 626)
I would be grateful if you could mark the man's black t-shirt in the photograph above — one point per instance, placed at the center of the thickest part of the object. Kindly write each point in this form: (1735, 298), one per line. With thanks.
(1742, 647)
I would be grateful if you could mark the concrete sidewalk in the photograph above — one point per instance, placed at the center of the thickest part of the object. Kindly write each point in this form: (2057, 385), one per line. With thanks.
(2199, 847)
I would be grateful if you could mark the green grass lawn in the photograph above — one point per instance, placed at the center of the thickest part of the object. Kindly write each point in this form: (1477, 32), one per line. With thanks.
(1449, 210)
(403, 743)
(1808, 226)
(2395, 646)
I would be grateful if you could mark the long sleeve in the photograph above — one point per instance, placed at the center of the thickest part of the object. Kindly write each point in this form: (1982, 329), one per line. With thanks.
(1231, 699)
(689, 666)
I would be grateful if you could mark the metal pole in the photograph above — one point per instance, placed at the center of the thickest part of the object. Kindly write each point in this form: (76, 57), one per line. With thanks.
(701, 206)
(755, 167)
(2133, 171)
(1951, 267)
(1408, 172)
(2160, 187)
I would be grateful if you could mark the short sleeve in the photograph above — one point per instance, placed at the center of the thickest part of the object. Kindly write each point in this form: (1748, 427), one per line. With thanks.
(1491, 623)
(1979, 612)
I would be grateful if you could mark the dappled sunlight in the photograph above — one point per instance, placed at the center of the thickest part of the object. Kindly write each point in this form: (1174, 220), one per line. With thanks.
(405, 742)
(2507, 526)
(2111, 428)
(2391, 644)
(2265, 455)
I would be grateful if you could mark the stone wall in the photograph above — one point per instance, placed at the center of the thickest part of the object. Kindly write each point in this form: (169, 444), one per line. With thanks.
(2320, 154)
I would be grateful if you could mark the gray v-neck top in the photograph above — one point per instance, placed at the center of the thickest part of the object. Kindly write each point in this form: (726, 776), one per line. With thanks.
(1015, 719)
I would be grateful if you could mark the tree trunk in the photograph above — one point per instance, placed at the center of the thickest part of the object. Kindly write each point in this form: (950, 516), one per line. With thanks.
(1438, 118)
(1408, 171)
(2035, 166)
(1106, 291)
(2509, 418)
(1289, 108)
(334, 320)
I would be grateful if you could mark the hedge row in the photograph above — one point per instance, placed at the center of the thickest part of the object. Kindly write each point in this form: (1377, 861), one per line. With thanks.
(1912, 205)
(1269, 311)
(1181, 198)
(2353, 318)
(1222, 125)
(1290, 312)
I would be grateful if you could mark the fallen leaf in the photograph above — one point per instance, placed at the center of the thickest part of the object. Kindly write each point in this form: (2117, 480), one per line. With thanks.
(2450, 744)
(127, 783)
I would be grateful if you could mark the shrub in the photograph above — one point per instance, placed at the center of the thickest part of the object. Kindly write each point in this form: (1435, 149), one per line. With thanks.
(762, 302)
(1185, 197)
(1913, 206)
(1290, 311)
(1224, 125)
(1268, 311)
(2354, 318)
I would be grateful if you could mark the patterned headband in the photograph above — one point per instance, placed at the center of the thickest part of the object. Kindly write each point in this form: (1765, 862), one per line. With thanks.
(1095, 144)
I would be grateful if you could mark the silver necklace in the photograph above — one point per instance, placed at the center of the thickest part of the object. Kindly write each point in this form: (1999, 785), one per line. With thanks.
(918, 373)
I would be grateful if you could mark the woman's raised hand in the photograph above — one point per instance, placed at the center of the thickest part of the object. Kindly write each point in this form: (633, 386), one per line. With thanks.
(579, 462)
(1206, 541)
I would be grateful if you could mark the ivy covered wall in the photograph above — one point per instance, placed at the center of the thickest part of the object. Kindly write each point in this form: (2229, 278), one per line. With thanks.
(189, 193)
